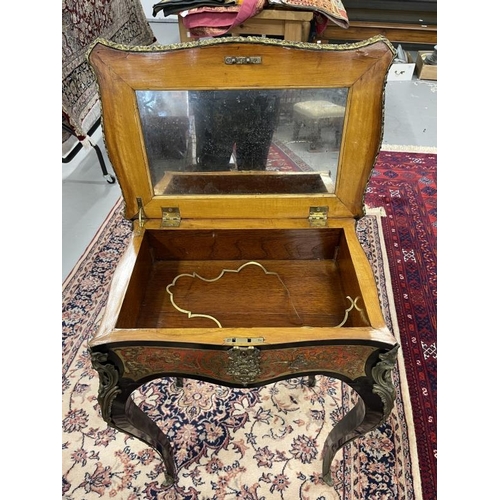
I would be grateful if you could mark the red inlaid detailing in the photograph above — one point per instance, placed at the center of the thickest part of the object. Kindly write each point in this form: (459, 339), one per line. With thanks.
(142, 361)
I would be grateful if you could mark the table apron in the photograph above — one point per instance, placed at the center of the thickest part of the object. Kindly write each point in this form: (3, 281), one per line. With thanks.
(244, 365)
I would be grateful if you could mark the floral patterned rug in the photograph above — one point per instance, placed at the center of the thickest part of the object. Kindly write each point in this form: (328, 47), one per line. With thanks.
(253, 444)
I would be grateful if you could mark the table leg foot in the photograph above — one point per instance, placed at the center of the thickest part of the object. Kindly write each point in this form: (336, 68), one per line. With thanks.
(347, 429)
(376, 400)
(168, 481)
(315, 138)
(327, 479)
(136, 423)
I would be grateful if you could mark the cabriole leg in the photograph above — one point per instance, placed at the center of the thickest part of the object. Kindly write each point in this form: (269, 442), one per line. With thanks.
(120, 412)
(375, 403)
(357, 422)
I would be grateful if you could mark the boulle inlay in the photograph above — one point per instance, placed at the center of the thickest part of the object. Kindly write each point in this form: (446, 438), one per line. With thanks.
(346, 360)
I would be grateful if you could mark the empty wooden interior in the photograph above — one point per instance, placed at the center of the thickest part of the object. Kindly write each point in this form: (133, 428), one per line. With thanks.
(289, 278)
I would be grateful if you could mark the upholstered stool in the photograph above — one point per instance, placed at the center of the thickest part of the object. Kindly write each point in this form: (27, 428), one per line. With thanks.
(316, 115)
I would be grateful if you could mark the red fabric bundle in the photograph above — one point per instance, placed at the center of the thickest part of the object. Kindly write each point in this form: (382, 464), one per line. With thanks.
(216, 21)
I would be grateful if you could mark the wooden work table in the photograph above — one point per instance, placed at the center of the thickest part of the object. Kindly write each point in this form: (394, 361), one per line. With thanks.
(242, 277)
(295, 25)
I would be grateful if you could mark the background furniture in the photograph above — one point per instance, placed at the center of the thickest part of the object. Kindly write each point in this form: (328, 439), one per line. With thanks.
(314, 115)
(110, 179)
(401, 21)
(395, 32)
(293, 25)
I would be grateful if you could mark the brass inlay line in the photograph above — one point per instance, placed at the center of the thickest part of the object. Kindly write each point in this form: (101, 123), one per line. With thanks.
(349, 309)
(190, 314)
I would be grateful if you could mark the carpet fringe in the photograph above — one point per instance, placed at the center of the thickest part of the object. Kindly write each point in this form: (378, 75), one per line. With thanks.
(408, 148)
(377, 211)
(405, 389)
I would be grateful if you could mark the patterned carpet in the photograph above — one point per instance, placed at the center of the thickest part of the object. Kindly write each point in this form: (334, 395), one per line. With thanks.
(256, 443)
(122, 21)
(283, 159)
(405, 185)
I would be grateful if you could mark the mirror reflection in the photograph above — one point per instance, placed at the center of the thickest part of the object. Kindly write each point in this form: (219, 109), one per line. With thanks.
(266, 132)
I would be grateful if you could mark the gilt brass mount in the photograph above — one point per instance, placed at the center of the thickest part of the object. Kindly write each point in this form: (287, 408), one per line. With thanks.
(244, 364)
(243, 60)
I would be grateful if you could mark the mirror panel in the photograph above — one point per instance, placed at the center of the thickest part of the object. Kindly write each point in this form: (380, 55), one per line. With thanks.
(242, 141)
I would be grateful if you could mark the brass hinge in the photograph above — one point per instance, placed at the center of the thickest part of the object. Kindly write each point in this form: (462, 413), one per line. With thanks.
(318, 216)
(170, 217)
(142, 214)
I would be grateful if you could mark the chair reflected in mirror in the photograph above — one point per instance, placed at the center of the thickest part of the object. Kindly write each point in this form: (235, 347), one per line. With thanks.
(315, 115)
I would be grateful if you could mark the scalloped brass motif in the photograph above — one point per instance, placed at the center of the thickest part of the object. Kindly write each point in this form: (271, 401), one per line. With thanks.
(194, 275)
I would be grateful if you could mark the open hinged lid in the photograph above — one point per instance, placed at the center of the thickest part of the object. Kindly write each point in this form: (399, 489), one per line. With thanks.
(242, 127)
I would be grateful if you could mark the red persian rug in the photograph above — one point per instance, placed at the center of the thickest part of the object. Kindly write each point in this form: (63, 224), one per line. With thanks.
(283, 159)
(404, 184)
